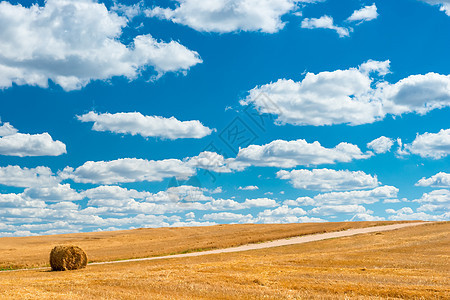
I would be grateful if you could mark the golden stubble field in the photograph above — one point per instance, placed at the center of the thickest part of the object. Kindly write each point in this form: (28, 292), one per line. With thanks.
(409, 263)
(26, 252)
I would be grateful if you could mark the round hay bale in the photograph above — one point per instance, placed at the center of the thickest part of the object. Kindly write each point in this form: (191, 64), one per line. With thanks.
(64, 258)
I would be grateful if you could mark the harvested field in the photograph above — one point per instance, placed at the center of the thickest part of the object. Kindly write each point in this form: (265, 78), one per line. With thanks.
(409, 263)
(28, 252)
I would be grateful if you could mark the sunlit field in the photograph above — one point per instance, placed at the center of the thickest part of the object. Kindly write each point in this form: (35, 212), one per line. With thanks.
(28, 252)
(406, 263)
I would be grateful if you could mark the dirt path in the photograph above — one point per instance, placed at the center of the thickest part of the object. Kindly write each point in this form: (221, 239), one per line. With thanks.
(276, 243)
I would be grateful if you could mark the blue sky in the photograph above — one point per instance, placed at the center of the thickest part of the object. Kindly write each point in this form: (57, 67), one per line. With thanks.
(127, 114)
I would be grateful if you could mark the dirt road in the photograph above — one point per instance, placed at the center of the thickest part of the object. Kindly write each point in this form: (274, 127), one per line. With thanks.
(276, 243)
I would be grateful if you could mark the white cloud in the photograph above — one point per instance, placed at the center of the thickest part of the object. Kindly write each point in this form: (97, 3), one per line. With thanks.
(325, 22)
(209, 161)
(444, 5)
(353, 96)
(259, 202)
(127, 170)
(60, 192)
(381, 144)
(228, 216)
(366, 217)
(139, 170)
(129, 11)
(229, 15)
(436, 196)
(20, 144)
(429, 145)
(367, 13)
(377, 67)
(248, 188)
(7, 129)
(328, 180)
(349, 197)
(285, 214)
(147, 126)
(329, 210)
(407, 213)
(289, 154)
(73, 42)
(440, 179)
(114, 193)
(27, 177)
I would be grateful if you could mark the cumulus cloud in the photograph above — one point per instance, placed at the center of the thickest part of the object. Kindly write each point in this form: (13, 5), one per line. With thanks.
(428, 145)
(73, 42)
(228, 216)
(324, 22)
(229, 15)
(147, 126)
(348, 197)
(381, 144)
(138, 170)
(328, 180)
(436, 196)
(367, 13)
(27, 177)
(289, 154)
(285, 214)
(20, 144)
(58, 193)
(407, 213)
(440, 179)
(354, 96)
(444, 5)
(114, 192)
(329, 210)
(248, 188)
(7, 129)
(127, 170)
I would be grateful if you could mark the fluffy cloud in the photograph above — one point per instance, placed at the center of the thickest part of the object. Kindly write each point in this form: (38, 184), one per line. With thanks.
(367, 13)
(328, 180)
(248, 188)
(329, 210)
(20, 144)
(444, 5)
(285, 214)
(230, 217)
(114, 192)
(437, 196)
(347, 198)
(7, 129)
(289, 154)
(324, 22)
(441, 179)
(25, 177)
(127, 170)
(259, 202)
(229, 15)
(58, 193)
(147, 126)
(73, 42)
(139, 170)
(407, 213)
(354, 96)
(429, 145)
(209, 161)
(381, 144)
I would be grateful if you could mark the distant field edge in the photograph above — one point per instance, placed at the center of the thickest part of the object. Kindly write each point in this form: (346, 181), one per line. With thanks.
(286, 241)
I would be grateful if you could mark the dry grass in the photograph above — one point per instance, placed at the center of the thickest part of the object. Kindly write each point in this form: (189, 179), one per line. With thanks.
(26, 252)
(410, 263)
